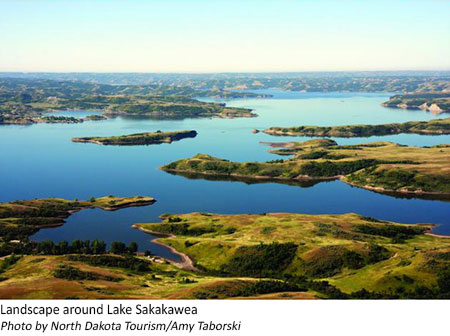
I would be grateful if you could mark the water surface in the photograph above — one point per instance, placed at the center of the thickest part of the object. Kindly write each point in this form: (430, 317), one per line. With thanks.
(40, 161)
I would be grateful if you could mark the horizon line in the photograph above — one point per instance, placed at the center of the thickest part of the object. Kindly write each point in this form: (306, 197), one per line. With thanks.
(225, 72)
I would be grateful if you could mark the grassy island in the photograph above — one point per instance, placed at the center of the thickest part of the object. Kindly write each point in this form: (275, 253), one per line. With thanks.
(432, 127)
(148, 138)
(379, 166)
(175, 107)
(435, 102)
(95, 117)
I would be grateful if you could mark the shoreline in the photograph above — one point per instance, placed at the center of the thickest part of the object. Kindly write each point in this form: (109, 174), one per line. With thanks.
(310, 178)
(256, 177)
(391, 191)
(186, 262)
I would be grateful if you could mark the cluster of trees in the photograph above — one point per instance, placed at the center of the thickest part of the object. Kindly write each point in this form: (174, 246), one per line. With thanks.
(73, 273)
(183, 229)
(328, 168)
(398, 233)
(248, 288)
(395, 179)
(288, 169)
(8, 261)
(330, 260)
(128, 262)
(77, 246)
(262, 260)
(58, 119)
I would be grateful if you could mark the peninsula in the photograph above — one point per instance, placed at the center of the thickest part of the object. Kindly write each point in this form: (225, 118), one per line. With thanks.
(20, 219)
(270, 256)
(435, 102)
(352, 252)
(149, 138)
(28, 101)
(431, 127)
(378, 166)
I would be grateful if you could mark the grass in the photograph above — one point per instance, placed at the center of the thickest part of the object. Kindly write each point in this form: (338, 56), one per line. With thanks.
(433, 101)
(148, 138)
(20, 219)
(431, 127)
(381, 166)
(237, 256)
(327, 247)
(34, 277)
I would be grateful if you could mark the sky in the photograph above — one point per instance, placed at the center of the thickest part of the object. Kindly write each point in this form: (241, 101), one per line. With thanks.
(224, 35)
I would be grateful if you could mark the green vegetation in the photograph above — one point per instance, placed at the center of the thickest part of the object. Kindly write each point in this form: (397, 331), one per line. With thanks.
(432, 127)
(20, 219)
(175, 107)
(275, 255)
(128, 262)
(337, 256)
(226, 85)
(139, 138)
(263, 260)
(436, 102)
(95, 117)
(378, 166)
(243, 288)
(72, 273)
(26, 101)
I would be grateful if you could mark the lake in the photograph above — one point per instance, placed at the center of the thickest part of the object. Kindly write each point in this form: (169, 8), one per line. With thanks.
(39, 161)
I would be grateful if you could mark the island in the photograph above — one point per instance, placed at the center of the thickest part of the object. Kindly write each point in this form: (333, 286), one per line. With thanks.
(28, 101)
(431, 127)
(435, 102)
(95, 117)
(175, 108)
(149, 138)
(379, 166)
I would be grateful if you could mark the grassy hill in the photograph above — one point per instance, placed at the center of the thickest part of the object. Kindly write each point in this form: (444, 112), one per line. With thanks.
(379, 166)
(432, 127)
(436, 102)
(350, 251)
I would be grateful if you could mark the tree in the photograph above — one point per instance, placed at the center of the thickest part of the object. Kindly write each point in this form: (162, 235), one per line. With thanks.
(86, 249)
(46, 247)
(133, 248)
(77, 246)
(118, 247)
(98, 247)
(62, 247)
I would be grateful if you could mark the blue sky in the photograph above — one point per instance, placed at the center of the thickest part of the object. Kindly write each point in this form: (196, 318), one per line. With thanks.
(218, 36)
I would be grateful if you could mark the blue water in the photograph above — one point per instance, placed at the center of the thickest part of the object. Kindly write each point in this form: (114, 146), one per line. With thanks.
(40, 161)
